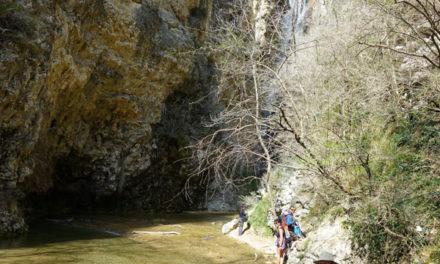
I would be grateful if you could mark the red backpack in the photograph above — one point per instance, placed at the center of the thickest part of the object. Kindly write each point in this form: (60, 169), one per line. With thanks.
(284, 223)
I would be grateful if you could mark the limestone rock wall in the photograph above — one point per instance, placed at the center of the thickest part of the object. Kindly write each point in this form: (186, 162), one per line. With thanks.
(323, 234)
(82, 85)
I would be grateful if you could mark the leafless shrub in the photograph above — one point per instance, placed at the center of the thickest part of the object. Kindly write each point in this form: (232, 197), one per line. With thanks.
(240, 145)
(415, 29)
(342, 102)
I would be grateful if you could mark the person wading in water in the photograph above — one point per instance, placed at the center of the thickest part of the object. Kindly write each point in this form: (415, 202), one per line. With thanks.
(281, 241)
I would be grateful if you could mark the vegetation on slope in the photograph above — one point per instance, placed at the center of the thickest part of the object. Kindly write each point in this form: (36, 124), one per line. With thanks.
(258, 218)
(357, 106)
(362, 114)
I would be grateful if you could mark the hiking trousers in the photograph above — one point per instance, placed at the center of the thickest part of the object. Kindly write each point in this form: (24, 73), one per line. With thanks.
(240, 226)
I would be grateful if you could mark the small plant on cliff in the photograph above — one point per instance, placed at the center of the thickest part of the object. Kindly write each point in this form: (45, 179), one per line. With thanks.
(258, 218)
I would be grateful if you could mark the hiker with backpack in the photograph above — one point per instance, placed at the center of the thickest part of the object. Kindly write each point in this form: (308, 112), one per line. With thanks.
(293, 231)
(288, 236)
(291, 223)
(242, 217)
(281, 242)
(288, 222)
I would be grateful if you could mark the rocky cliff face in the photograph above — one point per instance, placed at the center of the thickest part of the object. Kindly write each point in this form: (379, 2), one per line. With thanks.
(84, 87)
(324, 234)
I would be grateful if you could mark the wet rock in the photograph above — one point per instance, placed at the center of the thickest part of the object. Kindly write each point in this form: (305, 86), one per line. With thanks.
(229, 226)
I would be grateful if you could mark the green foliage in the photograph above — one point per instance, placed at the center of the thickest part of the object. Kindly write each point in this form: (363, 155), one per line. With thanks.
(362, 127)
(378, 137)
(258, 218)
(382, 235)
(406, 192)
(6, 7)
(434, 257)
(306, 243)
(419, 132)
(336, 212)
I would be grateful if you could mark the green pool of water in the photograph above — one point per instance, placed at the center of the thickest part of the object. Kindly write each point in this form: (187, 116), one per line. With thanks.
(200, 241)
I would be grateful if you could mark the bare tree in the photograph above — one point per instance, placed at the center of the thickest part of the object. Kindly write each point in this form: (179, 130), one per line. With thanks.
(239, 148)
(417, 22)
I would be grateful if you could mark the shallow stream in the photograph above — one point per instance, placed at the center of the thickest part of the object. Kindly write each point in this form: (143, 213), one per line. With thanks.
(96, 241)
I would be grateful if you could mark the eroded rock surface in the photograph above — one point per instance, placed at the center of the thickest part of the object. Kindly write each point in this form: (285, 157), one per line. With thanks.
(83, 90)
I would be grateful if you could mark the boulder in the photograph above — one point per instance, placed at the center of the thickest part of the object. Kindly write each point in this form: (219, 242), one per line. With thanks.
(229, 226)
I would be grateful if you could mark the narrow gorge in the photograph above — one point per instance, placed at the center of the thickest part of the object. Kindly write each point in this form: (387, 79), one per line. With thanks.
(123, 119)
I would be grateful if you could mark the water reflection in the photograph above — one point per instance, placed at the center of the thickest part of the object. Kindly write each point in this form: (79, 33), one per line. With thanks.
(200, 241)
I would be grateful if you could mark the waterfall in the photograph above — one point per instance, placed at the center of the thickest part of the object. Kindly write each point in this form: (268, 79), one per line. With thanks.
(294, 21)
(299, 11)
(293, 24)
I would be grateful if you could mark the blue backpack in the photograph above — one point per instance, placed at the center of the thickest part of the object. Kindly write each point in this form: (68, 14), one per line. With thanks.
(297, 231)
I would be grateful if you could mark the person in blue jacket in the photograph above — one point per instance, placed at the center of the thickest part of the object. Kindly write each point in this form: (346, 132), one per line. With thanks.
(293, 226)
(291, 223)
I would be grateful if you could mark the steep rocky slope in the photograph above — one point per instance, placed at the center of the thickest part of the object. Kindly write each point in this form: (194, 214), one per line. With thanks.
(84, 87)
(370, 122)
